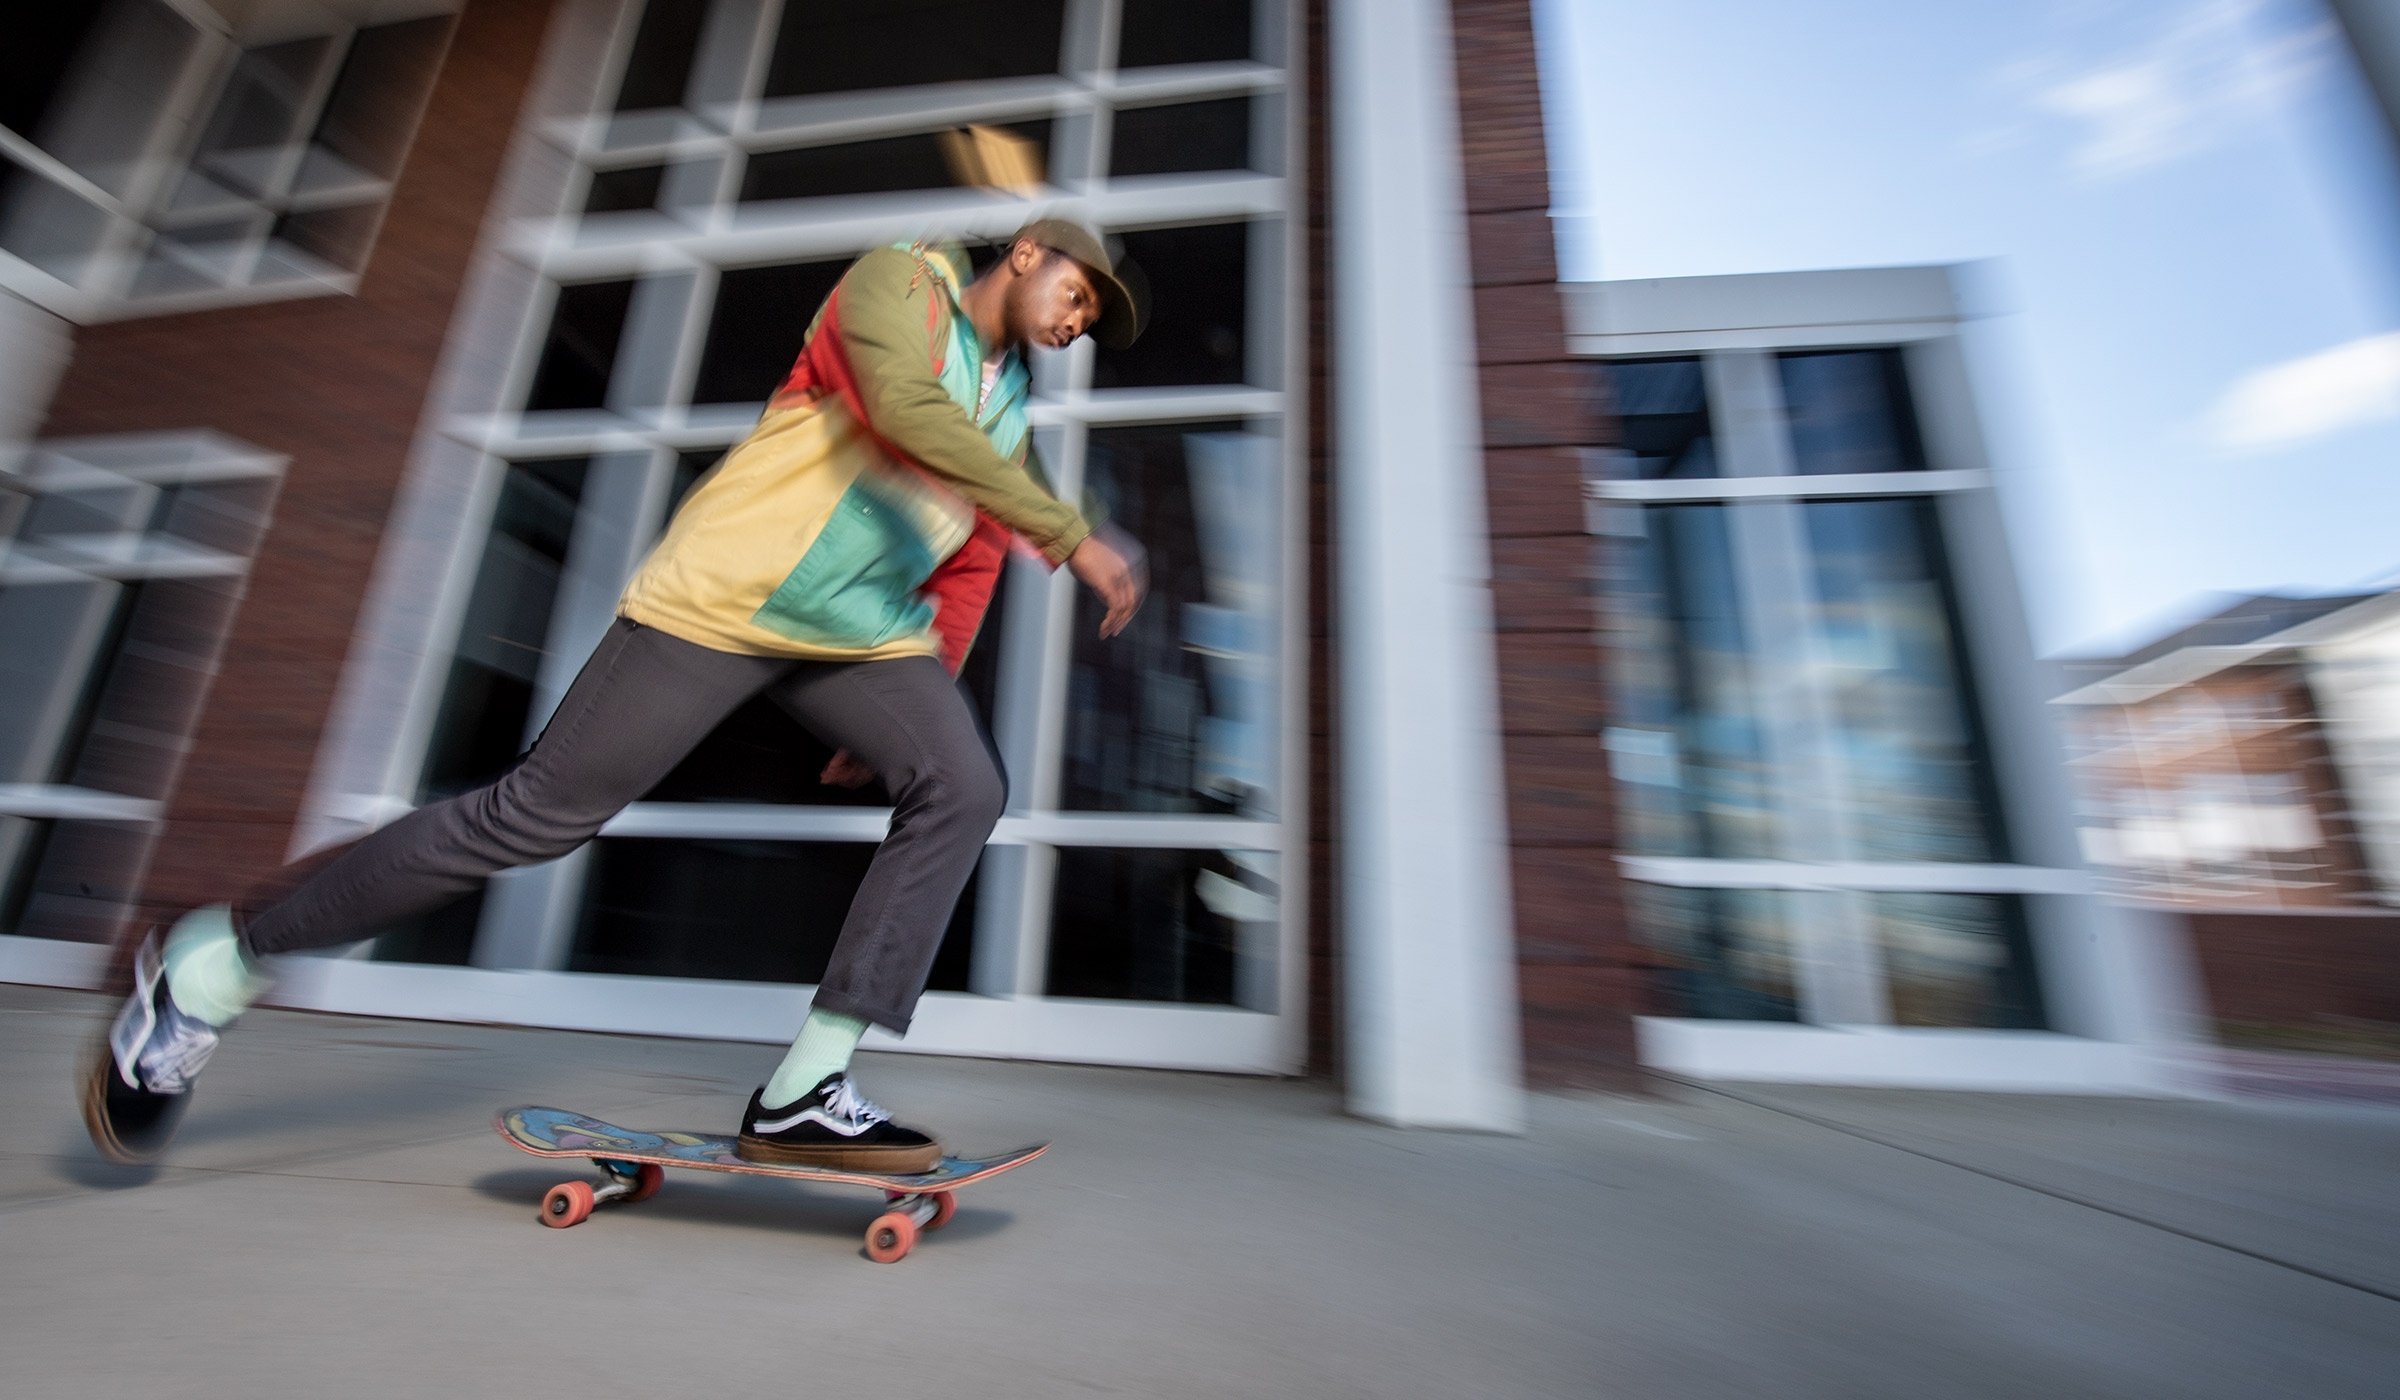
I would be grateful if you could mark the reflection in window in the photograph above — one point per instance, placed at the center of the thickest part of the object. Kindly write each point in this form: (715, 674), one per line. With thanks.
(1958, 960)
(1690, 754)
(480, 728)
(1724, 955)
(1850, 412)
(1200, 291)
(1662, 409)
(743, 911)
(1913, 767)
(1158, 925)
(1177, 712)
(902, 43)
(1186, 136)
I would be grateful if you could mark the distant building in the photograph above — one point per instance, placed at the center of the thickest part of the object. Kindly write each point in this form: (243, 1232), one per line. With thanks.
(2248, 760)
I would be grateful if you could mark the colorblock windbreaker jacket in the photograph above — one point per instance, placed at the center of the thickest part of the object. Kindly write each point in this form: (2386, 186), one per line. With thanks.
(868, 513)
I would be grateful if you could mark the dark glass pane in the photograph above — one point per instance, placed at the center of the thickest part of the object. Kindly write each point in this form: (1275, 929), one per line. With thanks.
(1662, 410)
(1850, 412)
(689, 468)
(480, 728)
(744, 911)
(42, 42)
(914, 162)
(257, 113)
(660, 66)
(1199, 299)
(1689, 748)
(615, 191)
(1153, 32)
(1177, 712)
(902, 43)
(1914, 769)
(1187, 136)
(581, 351)
(1147, 925)
(1724, 955)
(761, 318)
(1958, 960)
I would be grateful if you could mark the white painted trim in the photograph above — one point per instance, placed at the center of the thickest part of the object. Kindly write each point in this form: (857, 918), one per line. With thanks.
(1764, 338)
(1790, 488)
(1428, 944)
(1151, 1035)
(1693, 872)
(2025, 1062)
(61, 802)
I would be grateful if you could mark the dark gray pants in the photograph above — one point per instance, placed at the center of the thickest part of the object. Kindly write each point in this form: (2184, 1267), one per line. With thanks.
(640, 704)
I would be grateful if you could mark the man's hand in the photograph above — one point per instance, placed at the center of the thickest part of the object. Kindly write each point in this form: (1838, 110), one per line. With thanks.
(1115, 570)
(845, 771)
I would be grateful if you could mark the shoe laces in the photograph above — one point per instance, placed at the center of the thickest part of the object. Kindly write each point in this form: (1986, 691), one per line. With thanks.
(176, 1050)
(844, 1101)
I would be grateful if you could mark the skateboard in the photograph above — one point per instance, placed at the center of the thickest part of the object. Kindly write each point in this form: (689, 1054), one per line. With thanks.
(634, 1165)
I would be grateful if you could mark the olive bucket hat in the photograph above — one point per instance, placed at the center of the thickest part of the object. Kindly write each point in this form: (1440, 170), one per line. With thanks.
(1122, 285)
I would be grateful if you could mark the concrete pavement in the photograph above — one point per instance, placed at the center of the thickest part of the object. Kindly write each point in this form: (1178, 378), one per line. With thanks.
(338, 1220)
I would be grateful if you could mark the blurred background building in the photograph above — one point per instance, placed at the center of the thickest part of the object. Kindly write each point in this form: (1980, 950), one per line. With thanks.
(1539, 679)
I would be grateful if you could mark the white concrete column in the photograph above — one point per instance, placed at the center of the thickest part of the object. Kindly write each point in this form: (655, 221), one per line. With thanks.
(1428, 947)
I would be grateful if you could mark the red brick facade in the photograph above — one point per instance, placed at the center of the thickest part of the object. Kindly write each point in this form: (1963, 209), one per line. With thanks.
(1575, 966)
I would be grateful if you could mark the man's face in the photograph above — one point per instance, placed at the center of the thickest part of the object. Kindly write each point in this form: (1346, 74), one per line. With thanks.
(1053, 299)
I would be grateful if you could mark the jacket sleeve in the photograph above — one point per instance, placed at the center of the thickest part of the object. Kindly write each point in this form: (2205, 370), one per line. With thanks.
(887, 310)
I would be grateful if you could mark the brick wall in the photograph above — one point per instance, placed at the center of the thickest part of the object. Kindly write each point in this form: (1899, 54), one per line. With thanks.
(1575, 964)
(2299, 969)
(338, 383)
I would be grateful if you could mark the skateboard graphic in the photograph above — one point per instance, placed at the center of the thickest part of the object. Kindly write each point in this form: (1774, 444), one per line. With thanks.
(634, 1164)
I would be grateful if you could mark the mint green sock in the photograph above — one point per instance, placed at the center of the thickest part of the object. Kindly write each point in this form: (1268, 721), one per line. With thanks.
(823, 1047)
(207, 973)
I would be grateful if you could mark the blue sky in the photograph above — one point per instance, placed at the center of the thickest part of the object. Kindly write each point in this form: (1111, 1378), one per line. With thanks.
(2192, 205)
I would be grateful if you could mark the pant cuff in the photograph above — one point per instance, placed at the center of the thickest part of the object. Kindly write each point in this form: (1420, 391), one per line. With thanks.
(842, 1003)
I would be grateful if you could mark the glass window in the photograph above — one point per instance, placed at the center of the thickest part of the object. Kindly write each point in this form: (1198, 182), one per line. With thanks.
(1157, 925)
(1213, 135)
(1690, 755)
(1200, 292)
(1910, 751)
(762, 316)
(659, 68)
(1177, 712)
(1958, 960)
(1722, 955)
(616, 191)
(1850, 412)
(902, 43)
(1155, 32)
(581, 350)
(746, 911)
(488, 702)
(916, 162)
(1661, 408)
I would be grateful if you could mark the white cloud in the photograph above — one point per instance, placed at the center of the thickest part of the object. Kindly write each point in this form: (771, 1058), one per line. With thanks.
(2215, 66)
(2344, 387)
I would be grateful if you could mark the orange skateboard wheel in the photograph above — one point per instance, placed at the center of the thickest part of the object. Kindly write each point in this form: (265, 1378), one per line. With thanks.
(569, 1203)
(890, 1237)
(945, 1205)
(646, 1182)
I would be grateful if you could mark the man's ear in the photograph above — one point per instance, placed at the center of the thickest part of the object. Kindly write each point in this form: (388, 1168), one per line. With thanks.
(1024, 256)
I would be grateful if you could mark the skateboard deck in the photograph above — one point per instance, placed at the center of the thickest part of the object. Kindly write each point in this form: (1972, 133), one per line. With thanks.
(634, 1163)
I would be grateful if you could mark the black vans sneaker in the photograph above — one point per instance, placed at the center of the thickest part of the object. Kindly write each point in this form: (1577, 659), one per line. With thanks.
(140, 1080)
(831, 1126)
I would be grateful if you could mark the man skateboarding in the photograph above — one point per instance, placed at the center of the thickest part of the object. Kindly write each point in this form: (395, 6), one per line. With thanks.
(840, 560)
